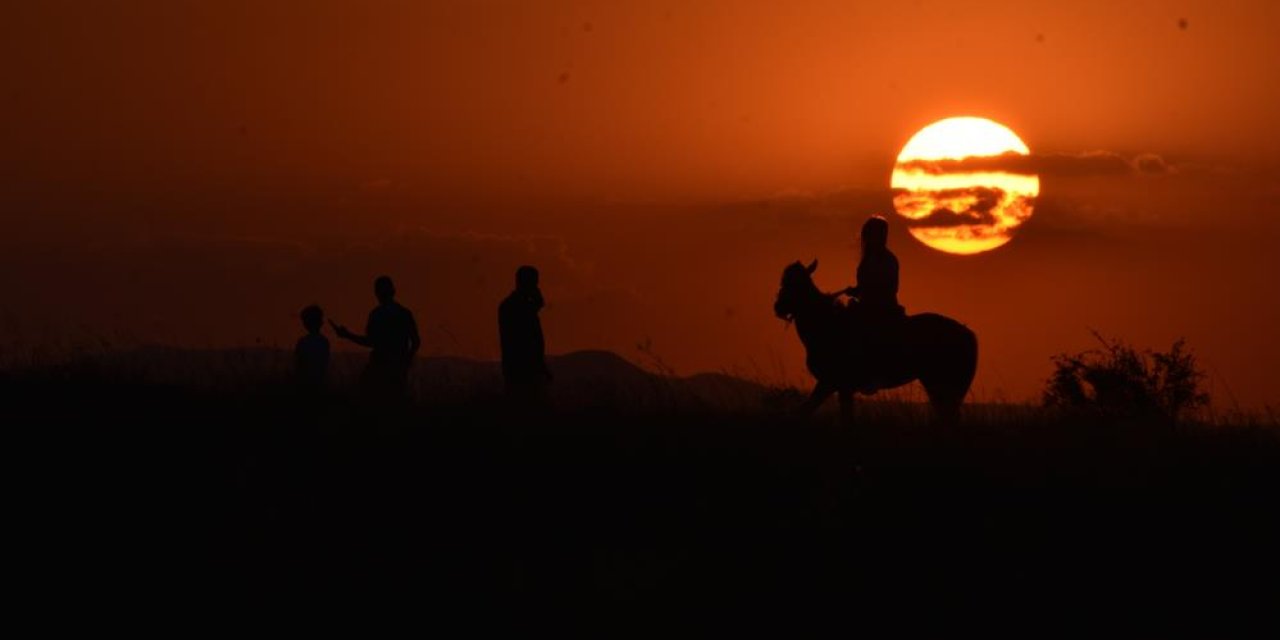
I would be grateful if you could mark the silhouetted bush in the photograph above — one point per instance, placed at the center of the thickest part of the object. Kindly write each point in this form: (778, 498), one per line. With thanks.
(1118, 381)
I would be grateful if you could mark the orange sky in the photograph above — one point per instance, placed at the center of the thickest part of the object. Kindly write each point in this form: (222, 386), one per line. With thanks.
(194, 172)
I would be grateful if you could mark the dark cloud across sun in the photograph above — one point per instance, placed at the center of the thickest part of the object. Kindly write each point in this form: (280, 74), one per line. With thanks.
(1088, 163)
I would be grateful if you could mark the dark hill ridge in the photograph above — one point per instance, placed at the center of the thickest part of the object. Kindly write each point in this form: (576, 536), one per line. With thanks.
(582, 378)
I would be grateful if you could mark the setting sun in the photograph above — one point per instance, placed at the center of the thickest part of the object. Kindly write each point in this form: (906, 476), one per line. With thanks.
(957, 184)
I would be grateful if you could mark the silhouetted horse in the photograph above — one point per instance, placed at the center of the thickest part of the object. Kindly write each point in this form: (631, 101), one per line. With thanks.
(936, 350)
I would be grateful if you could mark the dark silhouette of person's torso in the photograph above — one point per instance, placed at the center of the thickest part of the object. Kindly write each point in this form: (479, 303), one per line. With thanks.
(390, 331)
(878, 283)
(311, 360)
(391, 335)
(877, 316)
(520, 332)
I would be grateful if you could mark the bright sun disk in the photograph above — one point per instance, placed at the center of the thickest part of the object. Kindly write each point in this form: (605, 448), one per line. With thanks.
(956, 209)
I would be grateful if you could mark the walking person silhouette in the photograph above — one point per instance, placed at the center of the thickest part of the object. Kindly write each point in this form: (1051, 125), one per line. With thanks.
(524, 365)
(391, 334)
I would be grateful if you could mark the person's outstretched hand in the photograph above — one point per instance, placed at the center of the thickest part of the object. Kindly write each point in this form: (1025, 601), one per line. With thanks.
(340, 330)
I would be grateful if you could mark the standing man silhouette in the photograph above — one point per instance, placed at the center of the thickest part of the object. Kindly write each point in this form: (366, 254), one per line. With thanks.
(524, 365)
(392, 335)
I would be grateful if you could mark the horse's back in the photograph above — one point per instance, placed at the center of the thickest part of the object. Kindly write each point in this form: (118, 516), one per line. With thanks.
(938, 324)
(945, 351)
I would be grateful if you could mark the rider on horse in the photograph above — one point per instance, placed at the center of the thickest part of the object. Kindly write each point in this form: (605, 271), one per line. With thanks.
(876, 313)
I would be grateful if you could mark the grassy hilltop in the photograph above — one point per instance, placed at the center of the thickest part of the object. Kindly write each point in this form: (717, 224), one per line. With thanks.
(207, 473)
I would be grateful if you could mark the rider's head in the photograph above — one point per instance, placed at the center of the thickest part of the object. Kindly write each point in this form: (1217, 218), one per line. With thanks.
(527, 278)
(384, 289)
(875, 233)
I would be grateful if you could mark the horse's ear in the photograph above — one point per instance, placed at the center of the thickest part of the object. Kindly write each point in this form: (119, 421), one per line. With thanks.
(813, 266)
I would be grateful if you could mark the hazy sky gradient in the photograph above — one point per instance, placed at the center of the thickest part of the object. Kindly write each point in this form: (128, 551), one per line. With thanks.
(195, 172)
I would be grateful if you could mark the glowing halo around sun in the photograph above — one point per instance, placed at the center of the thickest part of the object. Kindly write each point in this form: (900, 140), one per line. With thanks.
(963, 185)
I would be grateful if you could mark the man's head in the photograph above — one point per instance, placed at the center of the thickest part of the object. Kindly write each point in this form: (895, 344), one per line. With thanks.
(527, 278)
(312, 318)
(384, 289)
(875, 233)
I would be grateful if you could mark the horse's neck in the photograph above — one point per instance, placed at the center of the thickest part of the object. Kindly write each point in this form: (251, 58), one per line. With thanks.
(814, 325)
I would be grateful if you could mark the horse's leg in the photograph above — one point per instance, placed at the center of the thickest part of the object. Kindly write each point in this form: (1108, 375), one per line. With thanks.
(945, 403)
(849, 436)
(820, 393)
(846, 407)
(946, 414)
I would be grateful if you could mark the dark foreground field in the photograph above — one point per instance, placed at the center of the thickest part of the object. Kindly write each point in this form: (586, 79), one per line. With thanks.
(146, 500)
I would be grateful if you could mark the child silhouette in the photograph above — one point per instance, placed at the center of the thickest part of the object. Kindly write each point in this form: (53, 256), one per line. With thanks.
(311, 354)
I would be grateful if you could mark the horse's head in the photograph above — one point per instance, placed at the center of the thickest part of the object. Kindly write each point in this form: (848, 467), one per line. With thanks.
(797, 289)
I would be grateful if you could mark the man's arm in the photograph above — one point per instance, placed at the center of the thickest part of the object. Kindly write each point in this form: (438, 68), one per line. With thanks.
(342, 332)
